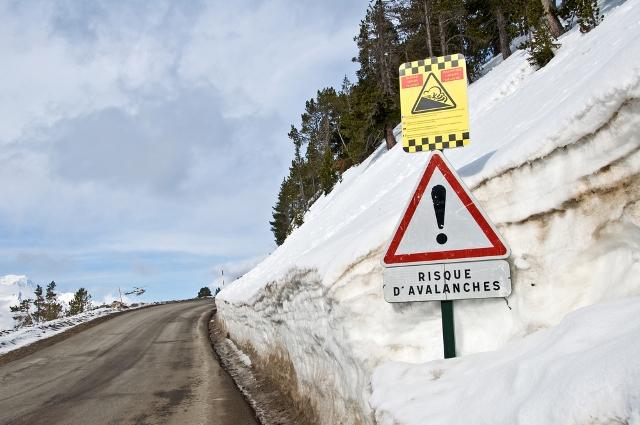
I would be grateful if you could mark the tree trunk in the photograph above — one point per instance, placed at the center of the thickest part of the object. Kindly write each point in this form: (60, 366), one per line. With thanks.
(502, 32)
(443, 35)
(552, 18)
(428, 28)
(389, 137)
(385, 76)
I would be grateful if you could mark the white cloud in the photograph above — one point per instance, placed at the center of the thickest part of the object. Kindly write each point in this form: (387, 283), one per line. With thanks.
(266, 54)
(154, 126)
(227, 273)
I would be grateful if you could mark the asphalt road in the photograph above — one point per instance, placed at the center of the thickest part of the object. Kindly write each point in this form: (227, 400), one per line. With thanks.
(150, 366)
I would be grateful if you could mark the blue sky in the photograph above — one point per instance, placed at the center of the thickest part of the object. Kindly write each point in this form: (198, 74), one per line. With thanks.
(143, 143)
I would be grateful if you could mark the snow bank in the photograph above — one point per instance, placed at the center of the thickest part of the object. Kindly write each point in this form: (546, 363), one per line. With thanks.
(554, 161)
(586, 370)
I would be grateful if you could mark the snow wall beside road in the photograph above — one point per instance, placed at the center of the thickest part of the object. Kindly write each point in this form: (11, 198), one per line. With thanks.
(554, 161)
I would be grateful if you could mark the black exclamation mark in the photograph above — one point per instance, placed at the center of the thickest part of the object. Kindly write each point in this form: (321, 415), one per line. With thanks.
(439, 197)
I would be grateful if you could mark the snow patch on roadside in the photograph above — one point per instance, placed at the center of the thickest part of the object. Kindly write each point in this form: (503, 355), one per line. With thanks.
(267, 401)
(13, 339)
(239, 353)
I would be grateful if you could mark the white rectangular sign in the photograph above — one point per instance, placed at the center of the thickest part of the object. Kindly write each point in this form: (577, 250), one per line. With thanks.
(450, 281)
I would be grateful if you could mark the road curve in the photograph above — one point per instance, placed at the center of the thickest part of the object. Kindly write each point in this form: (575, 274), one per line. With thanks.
(150, 366)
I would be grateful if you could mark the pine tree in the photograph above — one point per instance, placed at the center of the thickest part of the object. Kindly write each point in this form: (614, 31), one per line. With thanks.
(327, 173)
(415, 28)
(500, 9)
(328, 137)
(204, 292)
(482, 32)
(358, 127)
(553, 25)
(39, 305)
(22, 313)
(319, 149)
(585, 13)
(339, 129)
(284, 214)
(378, 47)
(541, 44)
(80, 302)
(52, 308)
(451, 16)
(588, 14)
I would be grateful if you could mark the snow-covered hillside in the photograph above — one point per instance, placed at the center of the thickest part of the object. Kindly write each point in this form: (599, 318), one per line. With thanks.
(555, 162)
(13, 288)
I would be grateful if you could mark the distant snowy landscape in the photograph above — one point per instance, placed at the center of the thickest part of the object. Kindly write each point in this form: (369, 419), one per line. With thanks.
(14, 288)
(554, 160)
(17, 338)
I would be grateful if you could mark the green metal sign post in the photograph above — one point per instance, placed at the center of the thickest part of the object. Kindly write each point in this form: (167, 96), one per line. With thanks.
(448, 329)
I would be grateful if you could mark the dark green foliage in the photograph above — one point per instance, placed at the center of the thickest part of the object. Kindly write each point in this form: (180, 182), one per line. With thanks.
(585, 13)
(22, 314)
(52, 308)
(378, 55)
(205, 291)
(80, 302)
(319, 151)
(43, 307)
(541, 43)
(541, 46)
(327, 174)
(283, 212)
(38, 304)
(589, 15)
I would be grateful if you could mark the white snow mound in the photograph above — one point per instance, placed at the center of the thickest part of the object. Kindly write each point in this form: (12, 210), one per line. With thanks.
(585, 370)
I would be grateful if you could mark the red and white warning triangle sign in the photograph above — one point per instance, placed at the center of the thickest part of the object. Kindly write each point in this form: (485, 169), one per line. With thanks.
(443, 223)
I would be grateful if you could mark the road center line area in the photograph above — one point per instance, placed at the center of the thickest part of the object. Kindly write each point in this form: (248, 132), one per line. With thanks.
(150, 366)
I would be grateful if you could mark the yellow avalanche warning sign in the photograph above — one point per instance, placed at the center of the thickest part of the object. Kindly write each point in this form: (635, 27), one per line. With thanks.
(433, 102)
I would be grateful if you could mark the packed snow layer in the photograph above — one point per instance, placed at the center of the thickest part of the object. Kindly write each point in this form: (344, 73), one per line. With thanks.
(586, 370)
(554, 161)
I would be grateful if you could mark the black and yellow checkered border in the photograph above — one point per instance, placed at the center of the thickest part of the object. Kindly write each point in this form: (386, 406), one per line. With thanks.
(431, 64)
(453, 140)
